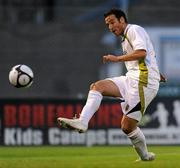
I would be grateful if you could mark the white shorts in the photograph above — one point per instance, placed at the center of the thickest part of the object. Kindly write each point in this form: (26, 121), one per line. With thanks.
(136, 98)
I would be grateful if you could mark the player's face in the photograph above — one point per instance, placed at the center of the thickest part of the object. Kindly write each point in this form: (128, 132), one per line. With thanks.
(115, 25)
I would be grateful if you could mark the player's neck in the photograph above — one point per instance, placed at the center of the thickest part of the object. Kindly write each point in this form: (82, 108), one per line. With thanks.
(124, 28)
(125, 25)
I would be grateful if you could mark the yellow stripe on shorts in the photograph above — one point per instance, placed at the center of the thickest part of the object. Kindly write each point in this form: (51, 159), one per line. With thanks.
(143, 81)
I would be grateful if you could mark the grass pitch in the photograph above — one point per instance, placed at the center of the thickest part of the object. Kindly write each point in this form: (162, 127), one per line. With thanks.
(86, 157)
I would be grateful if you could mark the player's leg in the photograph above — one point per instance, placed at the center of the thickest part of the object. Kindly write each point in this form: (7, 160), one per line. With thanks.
(130, 128)
(97, 91)
(137, 98)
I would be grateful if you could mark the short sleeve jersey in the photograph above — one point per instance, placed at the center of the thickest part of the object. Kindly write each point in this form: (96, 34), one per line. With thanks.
(144, 70)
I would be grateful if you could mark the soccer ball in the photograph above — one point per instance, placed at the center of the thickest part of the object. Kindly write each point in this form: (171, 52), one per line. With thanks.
(21, 76)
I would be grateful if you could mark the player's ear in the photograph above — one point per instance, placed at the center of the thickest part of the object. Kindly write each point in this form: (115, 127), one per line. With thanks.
(121, 19)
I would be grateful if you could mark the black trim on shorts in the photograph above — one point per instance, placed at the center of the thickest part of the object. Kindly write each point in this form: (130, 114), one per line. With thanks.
(136, 108)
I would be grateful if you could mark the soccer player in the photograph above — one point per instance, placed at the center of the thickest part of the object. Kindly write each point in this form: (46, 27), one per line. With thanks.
(138, 87)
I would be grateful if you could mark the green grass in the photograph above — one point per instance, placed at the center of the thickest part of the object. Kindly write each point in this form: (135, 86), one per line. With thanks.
(86, 157)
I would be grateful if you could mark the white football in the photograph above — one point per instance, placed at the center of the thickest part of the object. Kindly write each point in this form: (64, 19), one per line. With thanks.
(21, 76)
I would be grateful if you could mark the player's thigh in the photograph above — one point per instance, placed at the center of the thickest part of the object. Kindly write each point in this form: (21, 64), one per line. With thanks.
(107, 88)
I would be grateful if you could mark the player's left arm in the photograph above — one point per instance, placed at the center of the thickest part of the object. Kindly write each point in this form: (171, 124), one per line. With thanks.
(135, 55)
(163, 78)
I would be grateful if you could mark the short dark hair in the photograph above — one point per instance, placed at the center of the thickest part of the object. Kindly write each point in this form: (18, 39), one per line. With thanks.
(117, 12)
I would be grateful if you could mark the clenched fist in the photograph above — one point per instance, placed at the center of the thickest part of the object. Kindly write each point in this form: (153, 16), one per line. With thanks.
(110, 58)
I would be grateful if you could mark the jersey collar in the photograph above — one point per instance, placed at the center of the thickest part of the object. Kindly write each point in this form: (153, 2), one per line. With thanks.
(125, 32)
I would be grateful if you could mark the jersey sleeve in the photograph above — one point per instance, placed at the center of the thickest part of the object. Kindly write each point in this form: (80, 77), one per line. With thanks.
(137, 37)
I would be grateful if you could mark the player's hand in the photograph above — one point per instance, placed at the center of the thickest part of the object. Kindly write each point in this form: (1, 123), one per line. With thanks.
(163, 78)
(110, 58)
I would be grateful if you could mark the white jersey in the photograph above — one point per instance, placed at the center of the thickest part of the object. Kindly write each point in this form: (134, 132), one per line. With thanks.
(144, 70)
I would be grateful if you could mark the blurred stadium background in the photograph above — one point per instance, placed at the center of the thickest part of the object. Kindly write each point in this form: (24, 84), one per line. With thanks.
(63, 41)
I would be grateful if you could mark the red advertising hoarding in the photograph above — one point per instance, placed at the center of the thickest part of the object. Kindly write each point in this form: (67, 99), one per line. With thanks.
(34, 122)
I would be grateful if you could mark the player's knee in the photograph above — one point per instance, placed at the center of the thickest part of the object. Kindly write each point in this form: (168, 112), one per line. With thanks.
(95, 86)
(128, 124)
(125, 129)
(92, 86)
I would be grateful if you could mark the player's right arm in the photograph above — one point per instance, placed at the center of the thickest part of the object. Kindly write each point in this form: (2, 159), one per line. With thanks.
(135, 55)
